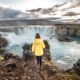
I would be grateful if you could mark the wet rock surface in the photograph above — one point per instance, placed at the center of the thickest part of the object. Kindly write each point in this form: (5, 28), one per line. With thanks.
(3, 41)
(67, 31)
(76, 67)
(3, 44)
(65, 40)
(47, 54)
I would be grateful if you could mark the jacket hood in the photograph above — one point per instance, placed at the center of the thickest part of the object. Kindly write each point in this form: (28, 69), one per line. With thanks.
(38, 41)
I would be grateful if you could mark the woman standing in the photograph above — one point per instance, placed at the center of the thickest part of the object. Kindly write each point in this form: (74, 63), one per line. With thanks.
(37, 48)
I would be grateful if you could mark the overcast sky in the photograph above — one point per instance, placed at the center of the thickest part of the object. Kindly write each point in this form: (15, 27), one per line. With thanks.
(29, 4)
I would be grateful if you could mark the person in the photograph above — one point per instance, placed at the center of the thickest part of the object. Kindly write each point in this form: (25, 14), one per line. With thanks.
(37, 48)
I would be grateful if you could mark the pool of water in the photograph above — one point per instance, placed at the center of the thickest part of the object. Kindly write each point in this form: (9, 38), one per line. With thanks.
(75, 39)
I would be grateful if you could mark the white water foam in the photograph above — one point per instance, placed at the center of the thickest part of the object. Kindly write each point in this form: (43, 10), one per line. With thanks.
(65, 53)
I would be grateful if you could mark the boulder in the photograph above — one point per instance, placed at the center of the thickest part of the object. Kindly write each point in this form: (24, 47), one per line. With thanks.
(10, 55)
(27, 52)
(65, 40)
(11, 65)
(76, 66)
(27, 55)
(3, 44)
(47, 46)
(47, 50)
(27, 47)
(3, 41)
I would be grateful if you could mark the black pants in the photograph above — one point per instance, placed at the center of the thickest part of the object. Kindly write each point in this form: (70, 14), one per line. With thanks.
(39, 60)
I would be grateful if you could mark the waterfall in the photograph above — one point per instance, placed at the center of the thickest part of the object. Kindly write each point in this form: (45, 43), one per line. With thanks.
(63, 53)
(25, 35)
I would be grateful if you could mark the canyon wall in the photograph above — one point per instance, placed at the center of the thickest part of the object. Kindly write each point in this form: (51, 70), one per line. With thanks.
(68, 31)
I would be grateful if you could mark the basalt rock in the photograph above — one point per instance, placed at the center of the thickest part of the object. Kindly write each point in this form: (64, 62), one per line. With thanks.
(10, 55)
(27, 55)
(67, 31)
(27, 47)
(3, 44)
(47, 50)
(11, 65)
(47, 46)
(3, 41)
(64, 39)
(76, 66)
(27, 52)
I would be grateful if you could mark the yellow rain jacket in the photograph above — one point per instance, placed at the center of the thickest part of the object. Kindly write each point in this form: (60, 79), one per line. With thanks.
(38, 46)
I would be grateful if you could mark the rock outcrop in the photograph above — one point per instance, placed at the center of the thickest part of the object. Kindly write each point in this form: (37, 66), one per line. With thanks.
(18, 69)
(3, 44)
(3, 41)
(64, 39)
(76, 67)
(64, 31)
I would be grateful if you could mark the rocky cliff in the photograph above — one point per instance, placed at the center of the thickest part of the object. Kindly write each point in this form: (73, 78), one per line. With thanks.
(68, 31)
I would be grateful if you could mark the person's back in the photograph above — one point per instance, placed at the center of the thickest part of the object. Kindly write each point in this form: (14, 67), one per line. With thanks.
(37, 48)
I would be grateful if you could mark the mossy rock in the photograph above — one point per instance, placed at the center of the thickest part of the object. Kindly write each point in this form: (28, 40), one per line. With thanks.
(68, 77)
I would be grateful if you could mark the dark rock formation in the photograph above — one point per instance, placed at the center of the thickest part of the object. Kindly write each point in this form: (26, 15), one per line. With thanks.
(27, 47)
(64, 39)
(10, 55)
(3, 44)
(47, 50)
(76, 67)
(3, 41)
(27, 52)
(67, 31)
(11, 65)
(47, 46)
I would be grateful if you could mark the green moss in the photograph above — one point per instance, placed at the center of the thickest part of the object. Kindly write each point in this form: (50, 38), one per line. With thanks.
(73, 71)
(63, 77)
(68, 77)
(50, 63)
(75, 32)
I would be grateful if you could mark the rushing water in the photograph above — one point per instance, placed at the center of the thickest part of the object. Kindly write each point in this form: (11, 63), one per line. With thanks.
(63, 53)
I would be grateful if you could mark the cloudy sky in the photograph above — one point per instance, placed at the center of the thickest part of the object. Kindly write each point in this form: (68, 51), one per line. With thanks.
(29, 4)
